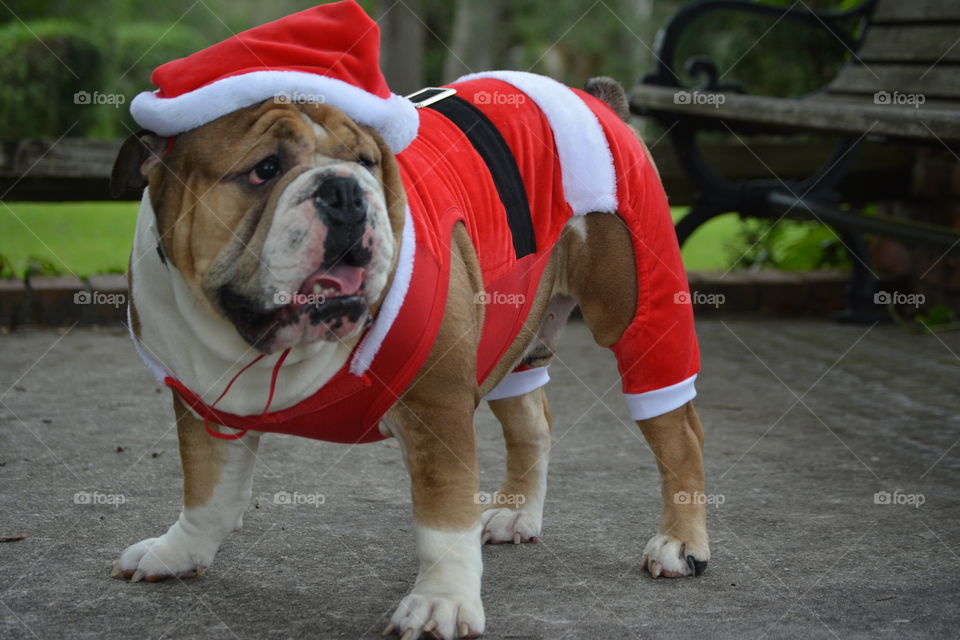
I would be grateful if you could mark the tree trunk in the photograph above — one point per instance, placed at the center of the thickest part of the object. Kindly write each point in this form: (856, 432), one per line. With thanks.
(402, 44)
(473, 44)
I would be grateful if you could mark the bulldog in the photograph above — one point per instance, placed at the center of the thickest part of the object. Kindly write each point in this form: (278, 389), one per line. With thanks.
(294, 271)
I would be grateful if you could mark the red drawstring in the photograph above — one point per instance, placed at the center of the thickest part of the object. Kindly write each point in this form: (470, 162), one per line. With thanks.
(273, 384)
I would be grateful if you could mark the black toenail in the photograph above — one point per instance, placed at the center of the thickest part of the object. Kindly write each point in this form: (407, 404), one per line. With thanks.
(696, 566)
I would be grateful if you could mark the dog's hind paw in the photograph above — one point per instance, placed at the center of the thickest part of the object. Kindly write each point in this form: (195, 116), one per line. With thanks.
(502, 525)
(671, 557)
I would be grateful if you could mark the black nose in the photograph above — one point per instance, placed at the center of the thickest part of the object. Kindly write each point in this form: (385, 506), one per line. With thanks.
(341, 200)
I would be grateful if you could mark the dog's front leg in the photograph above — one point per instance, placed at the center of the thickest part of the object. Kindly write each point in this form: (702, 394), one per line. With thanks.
(433, 421)
(217, 476)
(682, 547)
(440, 451)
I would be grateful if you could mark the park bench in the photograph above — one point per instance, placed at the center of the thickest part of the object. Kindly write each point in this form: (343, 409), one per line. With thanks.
(899, 84)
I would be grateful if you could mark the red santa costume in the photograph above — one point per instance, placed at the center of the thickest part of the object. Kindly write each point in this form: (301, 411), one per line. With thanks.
(573, 155)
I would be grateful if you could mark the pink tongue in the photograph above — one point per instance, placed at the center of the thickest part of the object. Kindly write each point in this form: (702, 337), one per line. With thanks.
(344, 278)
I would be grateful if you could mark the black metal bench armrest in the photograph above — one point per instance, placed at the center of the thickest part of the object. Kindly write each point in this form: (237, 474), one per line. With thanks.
(666, 44)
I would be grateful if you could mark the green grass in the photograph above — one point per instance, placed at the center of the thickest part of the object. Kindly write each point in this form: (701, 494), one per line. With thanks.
(87, 238)
(82, 238)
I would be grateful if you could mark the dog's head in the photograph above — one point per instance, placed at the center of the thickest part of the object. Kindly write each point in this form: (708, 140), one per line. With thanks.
(283, 218)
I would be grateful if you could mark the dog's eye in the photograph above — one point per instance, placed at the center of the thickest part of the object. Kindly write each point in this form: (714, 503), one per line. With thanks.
(366, 161)
(265, 170)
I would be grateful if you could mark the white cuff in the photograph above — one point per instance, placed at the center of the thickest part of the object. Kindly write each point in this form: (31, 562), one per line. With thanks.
(517, 383)
(651, 404)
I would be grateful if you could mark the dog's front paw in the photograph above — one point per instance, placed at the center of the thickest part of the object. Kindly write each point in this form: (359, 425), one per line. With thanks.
(510, 525)
(156, 559)
(446, 616)
(671, 557)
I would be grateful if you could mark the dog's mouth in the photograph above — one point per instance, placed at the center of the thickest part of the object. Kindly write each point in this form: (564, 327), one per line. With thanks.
(329, 305)
(324, 294)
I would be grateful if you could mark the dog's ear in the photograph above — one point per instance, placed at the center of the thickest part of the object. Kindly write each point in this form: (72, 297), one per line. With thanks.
(139, 153)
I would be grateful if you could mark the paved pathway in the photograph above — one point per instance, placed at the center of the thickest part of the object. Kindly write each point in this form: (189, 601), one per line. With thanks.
(806, 422)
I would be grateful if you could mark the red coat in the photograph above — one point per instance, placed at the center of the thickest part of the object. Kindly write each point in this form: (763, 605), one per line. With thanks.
(446, 182)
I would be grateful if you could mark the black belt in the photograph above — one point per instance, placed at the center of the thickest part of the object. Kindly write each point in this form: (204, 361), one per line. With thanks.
(493, 149)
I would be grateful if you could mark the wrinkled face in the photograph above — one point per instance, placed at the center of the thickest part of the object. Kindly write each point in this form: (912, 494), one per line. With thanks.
(284, 219)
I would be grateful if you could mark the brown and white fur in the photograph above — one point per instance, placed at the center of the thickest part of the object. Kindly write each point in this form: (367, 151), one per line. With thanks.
(219, 232)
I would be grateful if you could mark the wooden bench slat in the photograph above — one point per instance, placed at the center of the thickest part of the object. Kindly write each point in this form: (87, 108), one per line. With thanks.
(915, 11)
(933, 81)
(857, 100)
(921, 43)
(68, 158)
(821, 114)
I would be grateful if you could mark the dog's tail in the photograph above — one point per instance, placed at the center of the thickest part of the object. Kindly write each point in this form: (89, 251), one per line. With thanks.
(610, 91)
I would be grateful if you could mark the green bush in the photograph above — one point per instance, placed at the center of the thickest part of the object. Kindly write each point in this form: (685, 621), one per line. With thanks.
(45, 64)
(127, 70)
(52, 66)
(789, 245)
(780, 59)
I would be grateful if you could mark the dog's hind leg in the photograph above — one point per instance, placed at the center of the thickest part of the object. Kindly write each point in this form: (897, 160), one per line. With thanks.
(682, 547)
(515, 513)
(649, 327)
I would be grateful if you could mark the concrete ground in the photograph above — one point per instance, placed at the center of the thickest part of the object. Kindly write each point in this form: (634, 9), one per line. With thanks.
(806, 422)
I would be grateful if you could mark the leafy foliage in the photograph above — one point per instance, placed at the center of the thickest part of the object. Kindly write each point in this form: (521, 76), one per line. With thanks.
(790, 245)
(6, 268)
(42, 266)
(937, 319)
(765, 56)
(60, 53)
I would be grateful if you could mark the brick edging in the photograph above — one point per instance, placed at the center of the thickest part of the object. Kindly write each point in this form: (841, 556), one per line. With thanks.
(773, 293)
(63, 300)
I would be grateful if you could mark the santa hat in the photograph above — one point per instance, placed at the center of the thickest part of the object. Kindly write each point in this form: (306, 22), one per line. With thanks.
(328, 54)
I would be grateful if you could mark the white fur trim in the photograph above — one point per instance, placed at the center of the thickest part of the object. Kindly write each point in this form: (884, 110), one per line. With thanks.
(395, 118)
(651, 404)
(517, 383)
(586, 164)
(392, 302)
